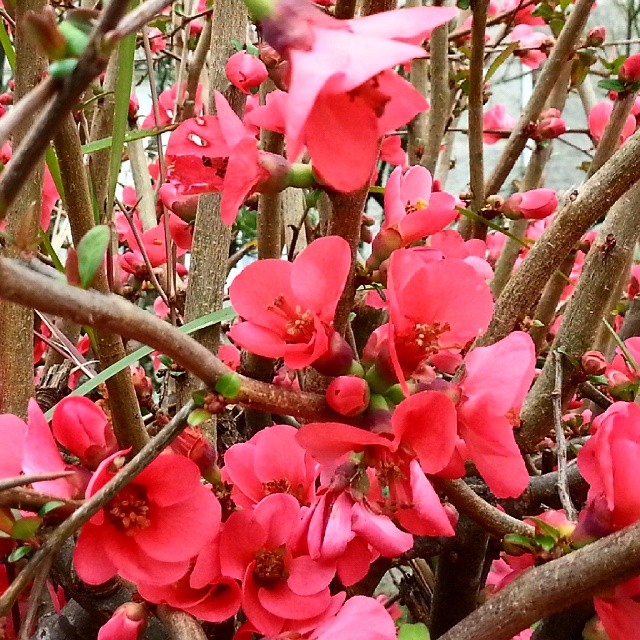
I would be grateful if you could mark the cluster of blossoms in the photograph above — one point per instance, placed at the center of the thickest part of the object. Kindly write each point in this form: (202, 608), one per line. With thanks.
(276, 529)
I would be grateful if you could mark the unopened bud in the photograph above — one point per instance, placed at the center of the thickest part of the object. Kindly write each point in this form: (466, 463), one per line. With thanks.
(192, 444)
(337, 361)
(127, 623)
(348, 395)
(596, 37)
(630, 69)
(594, 363)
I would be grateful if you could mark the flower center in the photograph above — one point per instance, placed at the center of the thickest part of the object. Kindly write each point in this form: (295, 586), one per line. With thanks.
(418, 205)
(269, 568)
(419, 343)
(282, 485)
(129, 509)
(300, 326)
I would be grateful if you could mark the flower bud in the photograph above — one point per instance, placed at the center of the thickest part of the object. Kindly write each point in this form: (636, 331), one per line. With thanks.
(269, 55)
(337, 360)
(246, 72)
(183, 206)
(596, 37)
(348, 395)
(533, 205)
(550, 125)
(594, 363)
(383, 245)
(277, 169)
(142, 385)
(630, 69)
(192, 444)
(127, 623)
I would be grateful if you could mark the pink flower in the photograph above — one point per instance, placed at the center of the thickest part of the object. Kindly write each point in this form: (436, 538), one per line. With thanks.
(596, 37)
(495, 381)
(192, 444)
(12, 435)
(599, 118)
(496, 119)
(532, 42)
(451, 245)
(203, 591)
(245, 71)
(391, 151)
(532, 205)
(620, 616)
(360, 618)
(412, 210)
(278, 583)
(183, 206)
(427, 314)
(339, 69)
(218, 153)
(288, 307)
(230, 355)
(82, 427)
(270, 462)
(404, 492)
(608, 462)
(137, 534)
(156, 40)
(167, 103)
(620, 362)
(127, 623)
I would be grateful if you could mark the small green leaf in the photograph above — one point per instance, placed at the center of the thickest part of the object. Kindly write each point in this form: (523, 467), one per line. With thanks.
(166, 361)
(513, 540)
(416, 631)
(252, 49)
(546, 528)
(25, 528)
(62, 68)
(18, 553)
(463, 5)
(236, 44)
(77, 39)
(198, 416)
(545, 542)
(228, 385)
(198, 397)
(598, 379)
(611, 84)
(495, 65)
(49, 507)
(91, 250)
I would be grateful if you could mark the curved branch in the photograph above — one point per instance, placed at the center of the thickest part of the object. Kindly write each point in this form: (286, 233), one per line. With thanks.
(494, 521)
(20, 284)
(554, 586)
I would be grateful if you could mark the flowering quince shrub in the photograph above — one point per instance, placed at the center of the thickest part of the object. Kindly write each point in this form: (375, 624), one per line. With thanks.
(238, 401)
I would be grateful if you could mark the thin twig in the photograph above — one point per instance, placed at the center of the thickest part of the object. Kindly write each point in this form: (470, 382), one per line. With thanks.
(35, 598)
(563, 486)
(22, 481)
(494, 521)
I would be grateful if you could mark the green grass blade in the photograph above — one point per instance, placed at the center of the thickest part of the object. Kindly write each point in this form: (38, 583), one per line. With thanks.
(7, 45)
(126, 54)
(54, 169)
(191, 327)
(105, 143)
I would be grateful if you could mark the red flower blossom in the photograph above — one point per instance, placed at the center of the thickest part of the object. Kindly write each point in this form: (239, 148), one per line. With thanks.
(137, 535)
(288, 308)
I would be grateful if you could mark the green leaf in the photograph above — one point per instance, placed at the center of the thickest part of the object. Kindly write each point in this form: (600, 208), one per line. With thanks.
(495, 65)
(105, 143)
(198, 397)
(229, 385)
(126, 52)
(416, 631)
(198, 416)
(546, 528)
(463, 5)
(62, 68)
(547, 543)
(203, 322)
(49, 507)
(7, 45)
(18, 554)
(25, 528)
(611, 84)
(91, 252)
(46, 242)
(252, 49)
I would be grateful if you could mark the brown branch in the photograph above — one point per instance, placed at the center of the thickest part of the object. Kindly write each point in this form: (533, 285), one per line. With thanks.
(544, 590)
(123, 402)
(92, 62)
(101, 498)
(28, 500)
(548, 77)
(582, 210)
(611, 136)
(606, 259)
(194, 71)
(501, 17)
(23, 481)
(492, 520)
(180, 625)
(556, 398)
(468, 228)
(25, 286)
